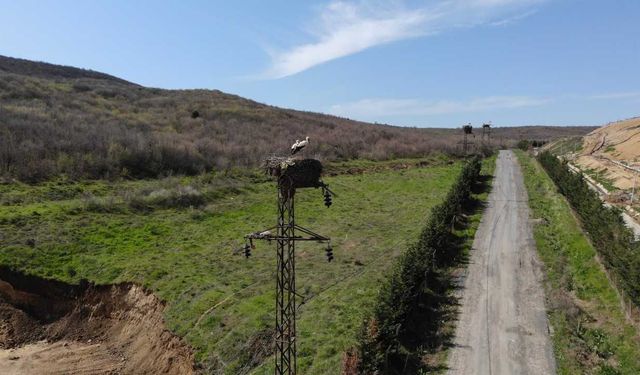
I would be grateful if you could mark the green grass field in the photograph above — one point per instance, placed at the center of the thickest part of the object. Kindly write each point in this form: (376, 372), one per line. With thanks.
(591, 334)
(145, 231)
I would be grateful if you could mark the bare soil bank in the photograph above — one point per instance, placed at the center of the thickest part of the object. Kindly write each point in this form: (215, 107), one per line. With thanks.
(48, 327)
(614, 142)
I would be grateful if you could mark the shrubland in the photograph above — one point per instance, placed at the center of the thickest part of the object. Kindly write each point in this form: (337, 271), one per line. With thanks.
(62, 121)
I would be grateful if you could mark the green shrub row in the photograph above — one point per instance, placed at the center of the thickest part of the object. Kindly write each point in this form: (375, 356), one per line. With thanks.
(524, 144)
(610, 236)
(400, 322)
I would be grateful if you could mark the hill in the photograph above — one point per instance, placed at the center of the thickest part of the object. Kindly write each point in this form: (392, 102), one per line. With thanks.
(605, 149)
(24, 67)
(84, 124)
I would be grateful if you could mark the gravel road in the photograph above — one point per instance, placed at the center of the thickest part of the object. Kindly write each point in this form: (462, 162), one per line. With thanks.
(502, 327)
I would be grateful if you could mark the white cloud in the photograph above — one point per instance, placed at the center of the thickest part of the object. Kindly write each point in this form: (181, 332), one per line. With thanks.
(347, 29)
(380, 108)
(344, 28)
(511, 20)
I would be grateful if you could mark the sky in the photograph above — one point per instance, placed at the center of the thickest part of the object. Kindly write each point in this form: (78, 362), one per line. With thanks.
(429, 63)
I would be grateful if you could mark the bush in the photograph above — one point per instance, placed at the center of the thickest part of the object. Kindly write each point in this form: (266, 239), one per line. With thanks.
(610, 236)
(524, 144)
(182, 196)
(394, 332)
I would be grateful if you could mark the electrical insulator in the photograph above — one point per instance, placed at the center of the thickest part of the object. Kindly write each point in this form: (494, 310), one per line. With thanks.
(247, 251)
(329, 252)
(327, 199)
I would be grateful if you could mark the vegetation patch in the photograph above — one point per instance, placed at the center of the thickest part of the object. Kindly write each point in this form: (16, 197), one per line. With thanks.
(407, 330)
(613, 240)
(525, 144)
(599, 175)
(566, 145)
(221, 303)
(591, 334)
(59, 120)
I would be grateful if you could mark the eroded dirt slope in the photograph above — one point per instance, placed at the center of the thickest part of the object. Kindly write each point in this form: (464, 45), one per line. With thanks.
(52, 328)
(615, 142)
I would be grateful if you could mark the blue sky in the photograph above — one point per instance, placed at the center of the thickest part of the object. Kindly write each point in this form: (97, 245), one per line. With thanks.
(430, 63)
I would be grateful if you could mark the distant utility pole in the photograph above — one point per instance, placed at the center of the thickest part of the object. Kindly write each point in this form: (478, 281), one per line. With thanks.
(486, 133)
(467, 130)
(291, 174)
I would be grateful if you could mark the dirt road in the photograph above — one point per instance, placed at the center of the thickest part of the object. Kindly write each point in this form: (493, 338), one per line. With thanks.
(502, 327)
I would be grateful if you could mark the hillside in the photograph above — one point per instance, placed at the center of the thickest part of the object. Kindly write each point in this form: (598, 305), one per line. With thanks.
(603, 148)
(80, 123)
(24, 67)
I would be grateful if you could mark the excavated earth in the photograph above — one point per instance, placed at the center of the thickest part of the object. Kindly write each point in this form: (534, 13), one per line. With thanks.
(615, 142)
(48, 327)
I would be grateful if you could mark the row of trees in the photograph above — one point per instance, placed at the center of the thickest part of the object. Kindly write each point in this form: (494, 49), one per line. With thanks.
(405, 313)
(524, 144)
(610, 236)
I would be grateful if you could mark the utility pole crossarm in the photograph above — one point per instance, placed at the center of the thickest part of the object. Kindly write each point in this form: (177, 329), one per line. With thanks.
(267, 236)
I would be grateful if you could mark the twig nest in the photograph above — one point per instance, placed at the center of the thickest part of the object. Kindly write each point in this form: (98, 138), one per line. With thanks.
(294, 173)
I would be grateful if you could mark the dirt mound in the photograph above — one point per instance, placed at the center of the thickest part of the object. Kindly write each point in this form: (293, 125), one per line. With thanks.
(614, 143)
(48, 327)
(619, 140)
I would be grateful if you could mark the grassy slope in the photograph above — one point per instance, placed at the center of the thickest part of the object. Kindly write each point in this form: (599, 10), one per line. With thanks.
(591, 333)
(565, 145)
(599, 176)
(185, 254)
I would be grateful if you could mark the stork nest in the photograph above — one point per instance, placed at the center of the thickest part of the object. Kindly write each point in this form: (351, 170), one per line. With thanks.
(295, 173)
(468, 129)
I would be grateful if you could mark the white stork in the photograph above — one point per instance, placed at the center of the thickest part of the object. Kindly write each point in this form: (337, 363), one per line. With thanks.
(293, 146)
(299, 145)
